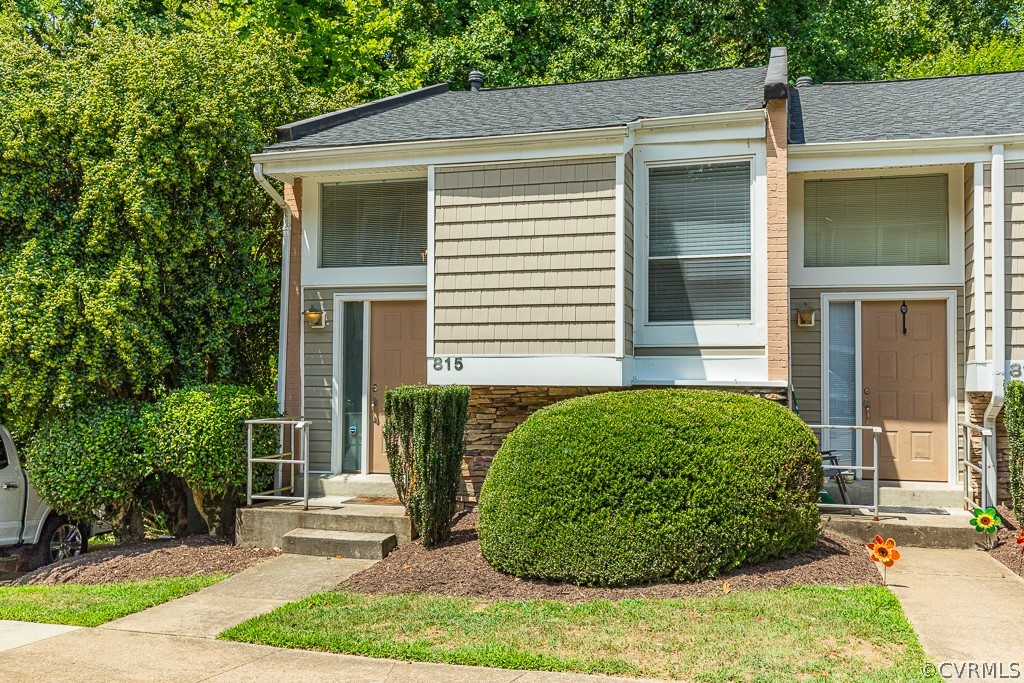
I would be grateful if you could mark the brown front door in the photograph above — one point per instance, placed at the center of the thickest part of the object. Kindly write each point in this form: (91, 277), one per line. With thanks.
(904, 388)
(398, 355)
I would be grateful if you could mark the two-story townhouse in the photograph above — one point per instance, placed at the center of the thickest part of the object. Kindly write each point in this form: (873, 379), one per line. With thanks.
(707, 229)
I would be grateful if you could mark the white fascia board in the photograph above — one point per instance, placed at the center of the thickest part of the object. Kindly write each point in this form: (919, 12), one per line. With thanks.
(826, 156)
(443, 152)
(741, 125)
(702, 371)
(530, 371)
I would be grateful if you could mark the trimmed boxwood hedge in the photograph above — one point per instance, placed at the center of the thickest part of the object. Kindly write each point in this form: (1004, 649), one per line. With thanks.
(635, 486)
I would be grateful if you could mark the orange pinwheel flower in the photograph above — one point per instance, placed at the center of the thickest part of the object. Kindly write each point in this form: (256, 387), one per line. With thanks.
(884, 551)
(1020, 540)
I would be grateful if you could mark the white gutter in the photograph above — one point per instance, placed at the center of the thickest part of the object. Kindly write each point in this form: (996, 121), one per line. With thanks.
(906, 144)
(995, 403)
(448, 146)
(286, 240)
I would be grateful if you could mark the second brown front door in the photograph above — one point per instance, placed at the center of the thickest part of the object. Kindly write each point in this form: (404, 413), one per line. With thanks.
(398, 356)
(904, 388)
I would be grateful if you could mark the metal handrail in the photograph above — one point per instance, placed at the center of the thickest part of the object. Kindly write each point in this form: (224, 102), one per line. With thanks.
(875, 433)
(968, 466)
(299, 432)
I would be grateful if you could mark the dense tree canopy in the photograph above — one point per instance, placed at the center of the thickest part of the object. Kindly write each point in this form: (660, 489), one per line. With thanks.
(137, 254)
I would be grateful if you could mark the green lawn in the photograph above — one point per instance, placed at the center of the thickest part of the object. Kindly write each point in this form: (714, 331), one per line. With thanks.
(80, 605)
(826, 634)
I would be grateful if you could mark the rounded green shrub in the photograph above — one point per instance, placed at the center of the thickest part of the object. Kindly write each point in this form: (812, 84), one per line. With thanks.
(89, 463)
(199, 435)
(635, 486)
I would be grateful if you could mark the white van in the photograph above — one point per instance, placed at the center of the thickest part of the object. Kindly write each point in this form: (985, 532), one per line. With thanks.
(26, 521)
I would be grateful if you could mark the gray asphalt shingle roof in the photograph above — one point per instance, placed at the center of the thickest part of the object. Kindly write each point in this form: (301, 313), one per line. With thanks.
(952, 106)
(547, 108)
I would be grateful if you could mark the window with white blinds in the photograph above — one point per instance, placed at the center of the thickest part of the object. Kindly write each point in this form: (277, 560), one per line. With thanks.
(899, 221)
(366, 225)
(699, 247)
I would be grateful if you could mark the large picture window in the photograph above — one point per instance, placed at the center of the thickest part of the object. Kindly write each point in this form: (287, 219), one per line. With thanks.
(898, 221)
(699, 247)
(367, 225)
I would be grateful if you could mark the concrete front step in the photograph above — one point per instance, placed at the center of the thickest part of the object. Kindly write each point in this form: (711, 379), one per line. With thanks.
(345, 544)
(373, 485)
(902, 494)
(950, 530)
(264, 526)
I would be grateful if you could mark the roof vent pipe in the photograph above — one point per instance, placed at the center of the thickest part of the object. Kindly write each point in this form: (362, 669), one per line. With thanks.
(476, 80)
(804, 81)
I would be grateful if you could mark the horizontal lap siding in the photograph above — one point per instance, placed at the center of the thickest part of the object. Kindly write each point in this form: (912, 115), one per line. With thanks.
(524, 258)
(318, 368)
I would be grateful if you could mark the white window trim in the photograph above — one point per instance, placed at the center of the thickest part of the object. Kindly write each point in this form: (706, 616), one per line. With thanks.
(315, 276)
(949, 296)
(723, 333)
(931, 276)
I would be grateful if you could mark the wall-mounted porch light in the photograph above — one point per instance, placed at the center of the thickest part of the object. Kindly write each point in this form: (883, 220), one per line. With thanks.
(316, 318)
(805, 317)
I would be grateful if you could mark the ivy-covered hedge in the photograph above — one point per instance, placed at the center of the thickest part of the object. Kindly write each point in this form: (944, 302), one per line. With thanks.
(198, 434)
(90, 462)
(424, 429)
(634, 486)
(1013, 419)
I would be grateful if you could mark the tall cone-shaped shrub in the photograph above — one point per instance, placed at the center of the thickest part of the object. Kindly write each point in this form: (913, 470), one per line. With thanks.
(424, 429)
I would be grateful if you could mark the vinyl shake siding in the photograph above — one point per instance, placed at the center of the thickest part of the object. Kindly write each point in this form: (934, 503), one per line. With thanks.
(1015, 261)
(1014, 283)
(524, 258)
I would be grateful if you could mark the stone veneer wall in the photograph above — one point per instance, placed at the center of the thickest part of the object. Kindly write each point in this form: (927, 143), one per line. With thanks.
(496, 411)
(978, 402)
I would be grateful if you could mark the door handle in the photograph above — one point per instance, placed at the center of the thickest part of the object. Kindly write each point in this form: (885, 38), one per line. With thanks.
(867, 411)
(373, 403)
(8, 485)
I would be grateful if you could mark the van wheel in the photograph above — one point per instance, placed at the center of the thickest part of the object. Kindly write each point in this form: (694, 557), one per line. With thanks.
(61, 540)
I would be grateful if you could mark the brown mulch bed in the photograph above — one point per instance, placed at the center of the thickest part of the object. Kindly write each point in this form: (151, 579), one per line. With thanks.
(150, 559)
(457, 568)
(1007, 551)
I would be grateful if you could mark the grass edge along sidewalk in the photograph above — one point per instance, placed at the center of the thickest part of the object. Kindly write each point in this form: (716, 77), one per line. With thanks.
(95, 604)
(806, 633)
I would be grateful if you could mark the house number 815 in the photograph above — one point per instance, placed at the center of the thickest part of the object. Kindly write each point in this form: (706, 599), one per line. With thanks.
(448, 364)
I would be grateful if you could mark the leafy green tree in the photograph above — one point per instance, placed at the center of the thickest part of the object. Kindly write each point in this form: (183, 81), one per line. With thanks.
(1001, 53)
(136, 252)
(539, 41)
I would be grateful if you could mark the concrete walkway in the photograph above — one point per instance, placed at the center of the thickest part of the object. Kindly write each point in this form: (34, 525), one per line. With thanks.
(18, 633)
(100, 655)
(259, 589)
(964, 605)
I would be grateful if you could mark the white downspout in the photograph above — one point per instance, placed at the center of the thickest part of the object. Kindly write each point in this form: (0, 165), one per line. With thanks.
(980, 322)
(286, 241)
(995, 404)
